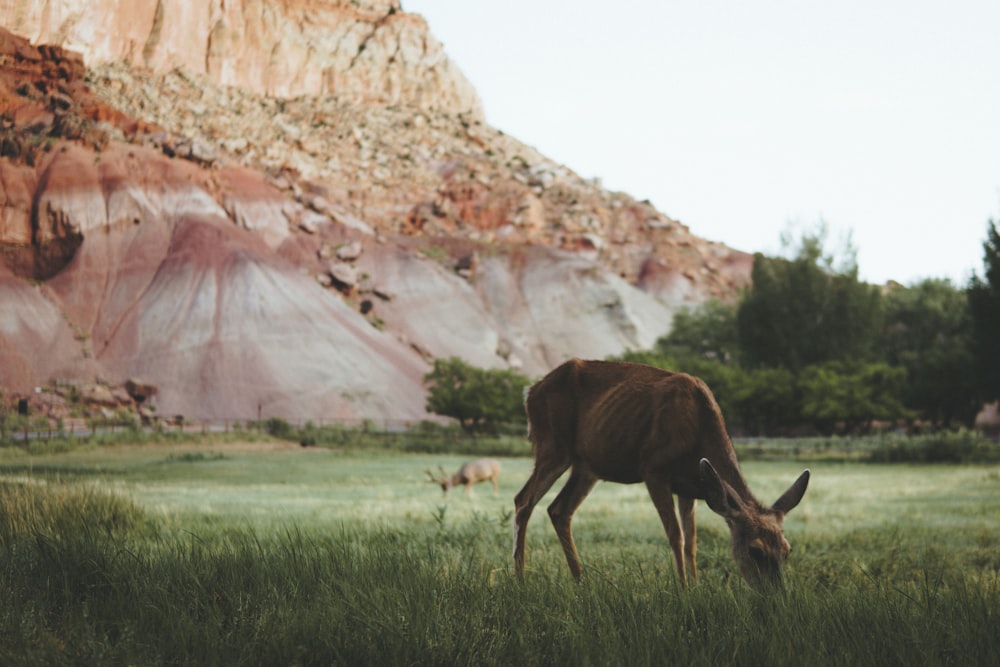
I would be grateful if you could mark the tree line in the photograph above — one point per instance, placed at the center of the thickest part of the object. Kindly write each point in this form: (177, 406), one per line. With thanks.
(808, 347)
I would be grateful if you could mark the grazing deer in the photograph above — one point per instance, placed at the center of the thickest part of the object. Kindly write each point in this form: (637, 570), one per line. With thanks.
(470, 473)
(631, 423)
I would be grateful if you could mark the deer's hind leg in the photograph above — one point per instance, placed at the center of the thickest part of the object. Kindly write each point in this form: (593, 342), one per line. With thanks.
(561, 512)
(542, 478)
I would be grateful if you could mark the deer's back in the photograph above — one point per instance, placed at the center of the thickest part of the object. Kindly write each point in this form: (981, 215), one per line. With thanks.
(479, 470)
(618, 418)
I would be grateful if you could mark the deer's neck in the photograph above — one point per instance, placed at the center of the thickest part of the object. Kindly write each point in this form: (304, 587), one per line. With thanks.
(718, 446)
(729, 470)
(740, 487)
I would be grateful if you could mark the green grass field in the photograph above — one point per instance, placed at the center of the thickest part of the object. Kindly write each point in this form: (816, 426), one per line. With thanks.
(268, 553)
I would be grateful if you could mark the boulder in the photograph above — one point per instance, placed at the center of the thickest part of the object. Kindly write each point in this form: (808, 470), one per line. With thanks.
(350, 251)
(140, 391)
(345, 276)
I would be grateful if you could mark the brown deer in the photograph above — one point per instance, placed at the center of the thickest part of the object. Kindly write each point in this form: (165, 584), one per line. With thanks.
(631, 423)
(470, 473)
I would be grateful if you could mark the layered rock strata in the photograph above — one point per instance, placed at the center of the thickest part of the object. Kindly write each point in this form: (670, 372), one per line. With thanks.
(249, 255)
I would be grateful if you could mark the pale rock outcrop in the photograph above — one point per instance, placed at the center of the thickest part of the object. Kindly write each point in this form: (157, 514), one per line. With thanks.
(36, 342)
(226, 331)
(432, 309)
(550, 305)
(256, 205)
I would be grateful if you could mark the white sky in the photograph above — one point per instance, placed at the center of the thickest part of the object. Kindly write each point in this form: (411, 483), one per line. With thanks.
(737, 118)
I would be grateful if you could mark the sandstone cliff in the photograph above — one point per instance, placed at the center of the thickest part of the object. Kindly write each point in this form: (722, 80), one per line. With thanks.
(366, 51)
(254, 254)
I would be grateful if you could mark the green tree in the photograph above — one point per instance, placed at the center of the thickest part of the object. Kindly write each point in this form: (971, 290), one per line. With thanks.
(706, 332)
(478, 398)
(767, 399)
(984, 304)
(808, 310)
(928, 331)
(849, 397)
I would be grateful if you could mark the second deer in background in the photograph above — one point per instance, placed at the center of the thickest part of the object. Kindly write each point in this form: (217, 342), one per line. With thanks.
(470, 473)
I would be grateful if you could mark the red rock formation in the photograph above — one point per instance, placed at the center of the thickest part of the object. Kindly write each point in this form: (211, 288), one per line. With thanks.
(160, 227)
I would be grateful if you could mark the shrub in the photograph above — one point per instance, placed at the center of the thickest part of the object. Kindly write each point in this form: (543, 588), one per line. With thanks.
(962, 446)
(478, 398)
(280, 428)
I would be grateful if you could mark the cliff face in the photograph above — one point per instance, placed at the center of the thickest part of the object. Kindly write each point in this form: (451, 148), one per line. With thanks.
(366, 51)
(252, 255)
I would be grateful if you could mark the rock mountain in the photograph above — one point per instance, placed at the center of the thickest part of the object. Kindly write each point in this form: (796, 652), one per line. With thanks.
(290, 208)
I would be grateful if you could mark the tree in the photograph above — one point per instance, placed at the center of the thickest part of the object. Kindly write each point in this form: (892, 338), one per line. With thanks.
(707, 332)
(808, 310)
(478, 398)
(848, 397)
(984, 305)
(928, 331)
(767, 399)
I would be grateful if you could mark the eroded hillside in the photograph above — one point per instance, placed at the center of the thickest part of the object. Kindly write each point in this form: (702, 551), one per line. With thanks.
(306, 256)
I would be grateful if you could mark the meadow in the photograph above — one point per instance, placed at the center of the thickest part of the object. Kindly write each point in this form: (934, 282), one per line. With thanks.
(265, 552)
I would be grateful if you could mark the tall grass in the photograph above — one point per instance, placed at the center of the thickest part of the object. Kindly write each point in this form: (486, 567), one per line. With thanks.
(89, 577)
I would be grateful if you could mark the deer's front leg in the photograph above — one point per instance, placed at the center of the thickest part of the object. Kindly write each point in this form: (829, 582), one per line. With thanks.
(662, 496)
(686, 507)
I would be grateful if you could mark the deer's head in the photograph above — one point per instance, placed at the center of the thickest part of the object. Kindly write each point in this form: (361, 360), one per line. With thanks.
(444, 480)
(759, 545)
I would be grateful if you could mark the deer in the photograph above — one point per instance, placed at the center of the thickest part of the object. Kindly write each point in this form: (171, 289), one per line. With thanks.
(629, 423)
(470, 473)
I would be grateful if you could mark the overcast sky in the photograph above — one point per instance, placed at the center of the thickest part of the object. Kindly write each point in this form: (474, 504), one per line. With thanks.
(881, 118)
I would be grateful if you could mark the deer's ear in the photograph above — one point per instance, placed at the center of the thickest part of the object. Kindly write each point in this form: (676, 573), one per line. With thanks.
(790, 498)
(720, 497)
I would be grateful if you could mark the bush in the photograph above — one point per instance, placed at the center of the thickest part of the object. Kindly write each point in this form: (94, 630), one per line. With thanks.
(280, 428)
(945, 447)
(478, 398)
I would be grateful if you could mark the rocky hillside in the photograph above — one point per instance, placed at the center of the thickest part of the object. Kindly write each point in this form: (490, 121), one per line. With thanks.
(297, 235)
